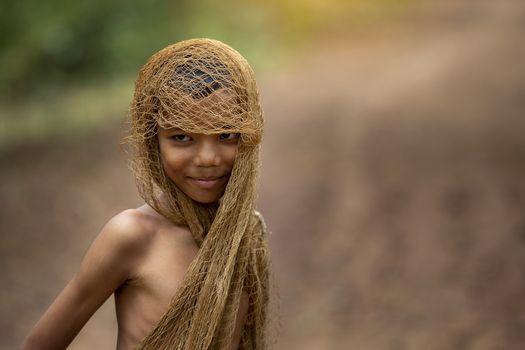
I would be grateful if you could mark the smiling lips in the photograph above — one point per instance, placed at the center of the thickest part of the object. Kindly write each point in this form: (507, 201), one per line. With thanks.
(207, 182)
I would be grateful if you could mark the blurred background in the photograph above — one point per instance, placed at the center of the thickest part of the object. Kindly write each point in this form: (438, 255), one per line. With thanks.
(393, 176)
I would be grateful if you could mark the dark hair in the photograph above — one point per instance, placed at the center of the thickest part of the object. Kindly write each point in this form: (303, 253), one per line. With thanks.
(196, 76)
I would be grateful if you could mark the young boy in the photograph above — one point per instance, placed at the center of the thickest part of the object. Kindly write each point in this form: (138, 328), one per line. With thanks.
(189, 269)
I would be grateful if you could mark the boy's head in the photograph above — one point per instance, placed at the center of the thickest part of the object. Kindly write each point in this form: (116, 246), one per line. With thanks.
(194, 100)
(196, 125)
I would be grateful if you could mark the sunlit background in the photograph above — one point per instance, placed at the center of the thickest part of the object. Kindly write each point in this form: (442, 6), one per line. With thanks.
(393, 176)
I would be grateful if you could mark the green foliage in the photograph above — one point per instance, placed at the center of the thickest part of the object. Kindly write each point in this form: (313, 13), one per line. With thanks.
(56, 41)
(53, 50)
(44, 43)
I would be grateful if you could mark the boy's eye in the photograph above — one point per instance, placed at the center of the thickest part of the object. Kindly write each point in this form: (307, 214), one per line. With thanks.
(180, 138)
(229, 136)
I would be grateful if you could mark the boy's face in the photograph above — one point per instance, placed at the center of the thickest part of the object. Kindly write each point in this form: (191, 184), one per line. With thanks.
(200, 165)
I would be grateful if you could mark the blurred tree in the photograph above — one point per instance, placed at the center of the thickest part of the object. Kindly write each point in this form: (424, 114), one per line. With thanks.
(43, 43)
(48, 44)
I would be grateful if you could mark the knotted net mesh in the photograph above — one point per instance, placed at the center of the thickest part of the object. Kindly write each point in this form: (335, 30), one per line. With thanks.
(204, 86)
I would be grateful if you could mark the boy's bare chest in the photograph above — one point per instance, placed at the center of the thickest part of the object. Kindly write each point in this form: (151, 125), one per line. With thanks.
(159, 275)
(165, 266)
(161, 271)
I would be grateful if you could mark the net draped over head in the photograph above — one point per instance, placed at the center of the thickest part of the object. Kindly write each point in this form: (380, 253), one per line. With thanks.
(204, 86)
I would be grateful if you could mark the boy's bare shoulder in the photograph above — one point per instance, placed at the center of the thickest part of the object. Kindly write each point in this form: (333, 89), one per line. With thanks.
(136, 228)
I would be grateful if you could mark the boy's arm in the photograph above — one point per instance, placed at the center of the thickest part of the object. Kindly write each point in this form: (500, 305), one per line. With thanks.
(107, 264)
(240, 321)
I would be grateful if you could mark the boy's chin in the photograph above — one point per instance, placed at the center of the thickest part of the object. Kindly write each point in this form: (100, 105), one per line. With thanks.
(206, 200)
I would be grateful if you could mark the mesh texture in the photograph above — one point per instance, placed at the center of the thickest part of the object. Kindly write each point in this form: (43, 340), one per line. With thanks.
(204, 86)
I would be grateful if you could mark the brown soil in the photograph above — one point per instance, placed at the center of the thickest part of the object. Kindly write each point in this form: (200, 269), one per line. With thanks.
(392, 179)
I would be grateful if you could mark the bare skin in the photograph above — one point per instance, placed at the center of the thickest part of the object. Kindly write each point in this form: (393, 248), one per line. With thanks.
(140, 255)
(131, 257)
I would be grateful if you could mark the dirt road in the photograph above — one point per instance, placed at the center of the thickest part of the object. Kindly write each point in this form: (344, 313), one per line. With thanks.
(400, 185)
(393, 181)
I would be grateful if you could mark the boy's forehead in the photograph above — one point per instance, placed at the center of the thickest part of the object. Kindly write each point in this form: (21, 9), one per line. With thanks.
(217, 112)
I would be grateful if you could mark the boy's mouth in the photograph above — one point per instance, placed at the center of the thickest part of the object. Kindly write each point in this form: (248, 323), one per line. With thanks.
(207, 182)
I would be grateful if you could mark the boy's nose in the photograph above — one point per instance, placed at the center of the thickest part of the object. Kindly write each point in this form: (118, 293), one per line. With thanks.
(207, 154)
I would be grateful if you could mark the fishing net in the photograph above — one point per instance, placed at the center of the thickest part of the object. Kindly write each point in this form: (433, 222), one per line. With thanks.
(204, 86)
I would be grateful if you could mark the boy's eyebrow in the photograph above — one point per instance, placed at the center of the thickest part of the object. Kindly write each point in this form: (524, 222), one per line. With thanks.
(173, 130)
